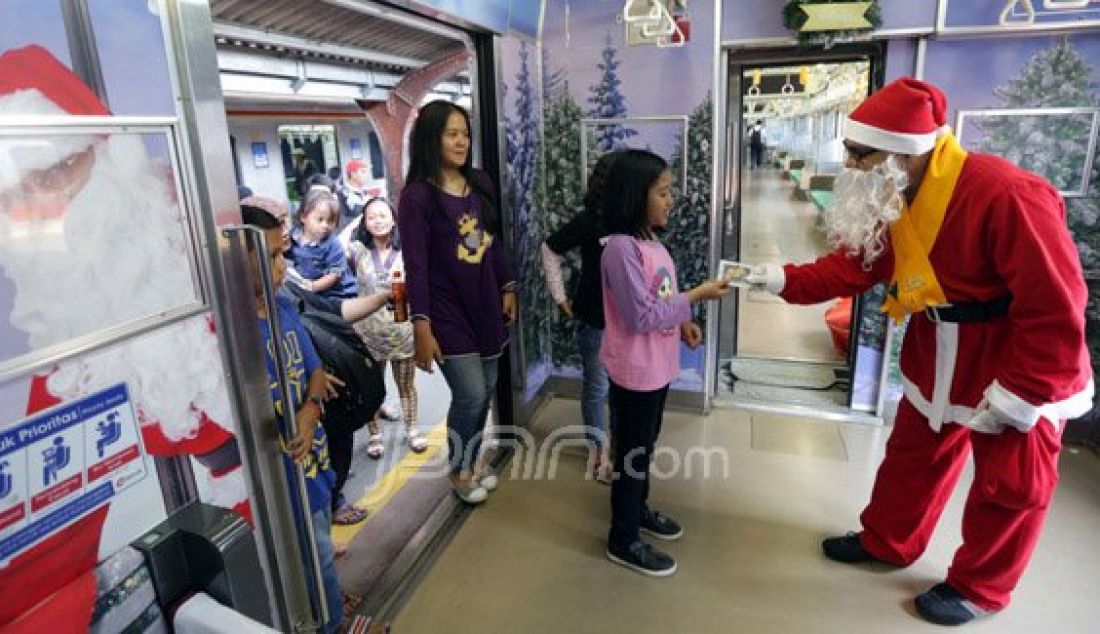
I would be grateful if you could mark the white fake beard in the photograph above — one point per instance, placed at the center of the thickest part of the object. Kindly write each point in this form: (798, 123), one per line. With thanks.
(118, 254)
(866, 203)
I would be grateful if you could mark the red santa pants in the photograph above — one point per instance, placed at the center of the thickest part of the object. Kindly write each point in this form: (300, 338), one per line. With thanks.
(1015, 475)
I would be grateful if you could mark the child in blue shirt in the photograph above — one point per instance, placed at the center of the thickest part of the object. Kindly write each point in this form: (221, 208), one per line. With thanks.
(307, 388)
(316, 253)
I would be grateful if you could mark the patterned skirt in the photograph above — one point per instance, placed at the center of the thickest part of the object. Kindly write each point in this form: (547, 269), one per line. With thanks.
(385, 338)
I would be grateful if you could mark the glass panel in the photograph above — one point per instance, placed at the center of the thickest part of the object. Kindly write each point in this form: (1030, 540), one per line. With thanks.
(1046, 143)
(132, 57)
(89, 216)
(40, 23)
(306, 150)
(794, 150)
(790, 134)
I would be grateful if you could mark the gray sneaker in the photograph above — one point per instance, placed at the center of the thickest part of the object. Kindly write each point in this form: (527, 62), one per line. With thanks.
(661, 526)
(643, 558)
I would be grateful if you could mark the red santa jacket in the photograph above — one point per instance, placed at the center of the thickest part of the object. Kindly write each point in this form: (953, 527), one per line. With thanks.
(1004, 232)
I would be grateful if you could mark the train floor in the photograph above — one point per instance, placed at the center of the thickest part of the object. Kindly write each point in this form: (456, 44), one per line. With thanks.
(776, 228)
(532, 558)
(784, 353)
(399, 491)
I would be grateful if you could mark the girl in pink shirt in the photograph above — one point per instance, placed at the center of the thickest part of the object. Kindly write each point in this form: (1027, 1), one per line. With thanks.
(645, 319)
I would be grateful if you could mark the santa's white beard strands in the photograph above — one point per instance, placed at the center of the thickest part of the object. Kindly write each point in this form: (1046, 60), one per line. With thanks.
(866, 202)
(117, 254)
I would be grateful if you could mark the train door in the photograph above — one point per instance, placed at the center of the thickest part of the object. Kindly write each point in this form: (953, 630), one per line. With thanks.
(786, 112)
(334, 88)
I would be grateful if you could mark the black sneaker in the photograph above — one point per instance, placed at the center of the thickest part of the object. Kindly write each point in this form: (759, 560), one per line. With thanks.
(660, 526)
(846, 549)
(643, 558)
(944, 605)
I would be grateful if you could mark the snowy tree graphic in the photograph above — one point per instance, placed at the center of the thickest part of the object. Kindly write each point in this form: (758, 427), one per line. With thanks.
(561, 195)
(608, 102)
(1055, 147)
(688, 236)
(522, 151)
(873, 324)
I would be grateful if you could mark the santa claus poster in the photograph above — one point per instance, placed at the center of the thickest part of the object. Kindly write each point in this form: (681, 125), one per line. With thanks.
(108, 362)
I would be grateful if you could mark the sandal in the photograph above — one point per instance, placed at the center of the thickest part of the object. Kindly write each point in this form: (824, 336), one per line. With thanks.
(389, 412)
(375, 448)
(351, 601)
(417, 443)
(348, 515)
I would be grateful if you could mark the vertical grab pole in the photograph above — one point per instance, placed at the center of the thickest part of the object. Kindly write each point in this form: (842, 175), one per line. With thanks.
(300, 525)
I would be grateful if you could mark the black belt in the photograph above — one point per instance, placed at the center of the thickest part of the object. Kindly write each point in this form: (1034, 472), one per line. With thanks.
(971, 311)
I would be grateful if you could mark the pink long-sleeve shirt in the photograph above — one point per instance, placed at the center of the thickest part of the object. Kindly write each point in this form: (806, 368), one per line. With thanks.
(643, 311)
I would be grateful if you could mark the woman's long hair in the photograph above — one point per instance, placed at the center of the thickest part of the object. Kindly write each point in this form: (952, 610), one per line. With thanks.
(626, 195)
(426, 164)
(363, 234)
(597, 184)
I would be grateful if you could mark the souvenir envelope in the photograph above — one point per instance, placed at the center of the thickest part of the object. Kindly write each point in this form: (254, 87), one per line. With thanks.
(735, 273)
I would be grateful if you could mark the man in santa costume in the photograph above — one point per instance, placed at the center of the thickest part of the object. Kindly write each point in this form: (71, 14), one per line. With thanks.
(93, 237)
(975, 251)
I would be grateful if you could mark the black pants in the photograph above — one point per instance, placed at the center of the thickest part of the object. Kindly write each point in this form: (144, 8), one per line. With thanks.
(638, 423)
(340, 445)
(756, 154)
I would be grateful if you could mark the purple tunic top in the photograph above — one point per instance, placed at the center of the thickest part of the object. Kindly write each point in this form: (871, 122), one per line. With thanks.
(456, 270)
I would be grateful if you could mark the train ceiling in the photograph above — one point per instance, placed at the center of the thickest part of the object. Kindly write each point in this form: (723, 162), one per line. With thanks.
(794, 91)
(329, 51)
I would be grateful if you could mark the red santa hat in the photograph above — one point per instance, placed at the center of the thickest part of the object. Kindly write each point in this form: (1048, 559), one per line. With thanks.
(905, 117)
(355, 166)
(33, 82)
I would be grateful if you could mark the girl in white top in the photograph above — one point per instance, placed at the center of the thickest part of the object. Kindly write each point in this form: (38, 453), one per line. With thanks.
(375, 256)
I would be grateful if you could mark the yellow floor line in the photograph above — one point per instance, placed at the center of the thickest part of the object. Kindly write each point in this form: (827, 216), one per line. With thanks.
(383, 491)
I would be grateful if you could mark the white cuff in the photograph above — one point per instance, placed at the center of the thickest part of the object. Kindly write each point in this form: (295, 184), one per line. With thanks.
(1017, 412)
(1023, 415)
(775, 280)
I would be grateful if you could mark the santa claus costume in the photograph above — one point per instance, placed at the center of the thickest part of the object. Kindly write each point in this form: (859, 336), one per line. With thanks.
(115, 255)
(993, 362)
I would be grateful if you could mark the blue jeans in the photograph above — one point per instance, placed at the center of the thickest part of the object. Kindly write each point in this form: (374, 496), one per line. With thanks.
(594, 385)
(473, 382)
(326, 552)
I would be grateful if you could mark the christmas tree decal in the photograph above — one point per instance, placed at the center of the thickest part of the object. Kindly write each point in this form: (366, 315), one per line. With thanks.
(1053, 147)
(521, 150)
(688, 234)
(608, 102)
(561, 194)
(873, 324)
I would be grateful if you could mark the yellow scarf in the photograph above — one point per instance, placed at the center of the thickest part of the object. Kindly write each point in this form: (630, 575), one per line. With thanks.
(914, 286)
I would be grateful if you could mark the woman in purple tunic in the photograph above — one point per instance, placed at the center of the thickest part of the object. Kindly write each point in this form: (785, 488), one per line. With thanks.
(460, 285)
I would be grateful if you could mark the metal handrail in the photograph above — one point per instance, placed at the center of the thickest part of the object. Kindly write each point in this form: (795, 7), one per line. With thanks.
(302, 521)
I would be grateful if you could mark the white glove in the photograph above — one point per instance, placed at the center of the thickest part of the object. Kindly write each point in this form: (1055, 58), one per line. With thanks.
(767, 277)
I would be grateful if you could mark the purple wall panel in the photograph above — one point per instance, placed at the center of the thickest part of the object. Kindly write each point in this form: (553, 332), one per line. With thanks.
(901, 55)
(989, 64)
